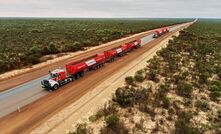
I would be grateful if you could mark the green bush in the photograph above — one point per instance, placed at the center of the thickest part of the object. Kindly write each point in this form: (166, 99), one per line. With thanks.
(184, 89)
(166, 102)
(216, 83)
(82, 129)
(129, 80)
(203, 77)
(203, 105)
(183, 124)
(52, 48)
(139, 76)
(33, 55)
(215, 95)
(125, 96)
(112, 121)
(214, 88)
(153, 75)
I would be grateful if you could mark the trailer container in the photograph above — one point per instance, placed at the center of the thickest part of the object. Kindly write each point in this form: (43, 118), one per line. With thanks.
(110, 55)
(78, 68)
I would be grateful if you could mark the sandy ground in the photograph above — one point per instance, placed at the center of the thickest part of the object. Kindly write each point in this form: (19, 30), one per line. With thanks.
(87, 105)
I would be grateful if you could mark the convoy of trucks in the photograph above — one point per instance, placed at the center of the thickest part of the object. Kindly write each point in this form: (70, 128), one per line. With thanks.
(76, 69)
(160, 32)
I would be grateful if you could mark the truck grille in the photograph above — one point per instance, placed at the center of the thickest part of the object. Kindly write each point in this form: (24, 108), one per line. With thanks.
(45, 83)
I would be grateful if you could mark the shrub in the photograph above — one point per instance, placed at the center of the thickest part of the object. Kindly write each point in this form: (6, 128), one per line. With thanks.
(214, 96)
(125, 96)
(93, 118)
(183, 124)
(139, 76)
(153, 74)
(129, 80)
(109, 109)
(166, 102)
(219, 114)
(203, 77)
(216, 83)
(33, 55)
(171, 111)
(112, 121)
(82, 129)
(187, 101)
(203, 105)
(184, 89)
(219, 74)
(114, 125)
(52, 48)
(215, 88)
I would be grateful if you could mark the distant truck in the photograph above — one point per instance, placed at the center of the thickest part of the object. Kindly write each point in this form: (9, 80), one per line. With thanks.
(161, 32)
(76, 69)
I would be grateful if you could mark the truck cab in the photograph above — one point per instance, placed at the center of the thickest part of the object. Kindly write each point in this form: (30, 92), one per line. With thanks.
(56, 78)
(157, 34)
(58, 75)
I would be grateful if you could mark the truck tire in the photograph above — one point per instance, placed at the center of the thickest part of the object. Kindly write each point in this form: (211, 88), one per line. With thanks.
(77, 76)
(82, 74)
(73, 77)
(55, 87)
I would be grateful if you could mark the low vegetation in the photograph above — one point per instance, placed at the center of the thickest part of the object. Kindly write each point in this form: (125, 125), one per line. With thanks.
(177, 92)
(24, 41)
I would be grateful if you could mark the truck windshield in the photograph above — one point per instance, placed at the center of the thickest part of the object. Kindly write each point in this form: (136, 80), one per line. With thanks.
(53, 75)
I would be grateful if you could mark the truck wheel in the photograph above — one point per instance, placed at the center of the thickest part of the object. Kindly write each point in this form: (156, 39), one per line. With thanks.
(55, 87)
(73, 78)
(82, 74)
(77, 76)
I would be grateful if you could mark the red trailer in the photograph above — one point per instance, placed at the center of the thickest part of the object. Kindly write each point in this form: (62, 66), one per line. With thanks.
(78, 68)
(134, 44)
(111, 54)
(122, 50)
(160, 32)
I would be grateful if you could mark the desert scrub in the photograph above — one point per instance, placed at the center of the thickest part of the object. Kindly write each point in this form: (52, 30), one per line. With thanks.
(125, 96)
(183, 124)
(52, 36)
(81, 129)
(184, 89)
(202, 105)
(114, 125)
(129, 80)
(140, 76)
(215, 90)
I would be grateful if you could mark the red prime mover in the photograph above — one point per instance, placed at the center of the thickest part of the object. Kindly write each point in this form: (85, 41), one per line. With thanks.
(160, 32)
(74, 70)
(77, 69)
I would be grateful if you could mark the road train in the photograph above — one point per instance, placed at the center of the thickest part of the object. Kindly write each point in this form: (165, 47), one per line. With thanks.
(76, 69)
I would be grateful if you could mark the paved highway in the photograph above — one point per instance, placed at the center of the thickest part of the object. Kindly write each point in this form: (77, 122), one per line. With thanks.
(17, 97)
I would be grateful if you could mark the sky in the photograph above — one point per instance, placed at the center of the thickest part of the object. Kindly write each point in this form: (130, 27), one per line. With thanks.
(111, 8)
